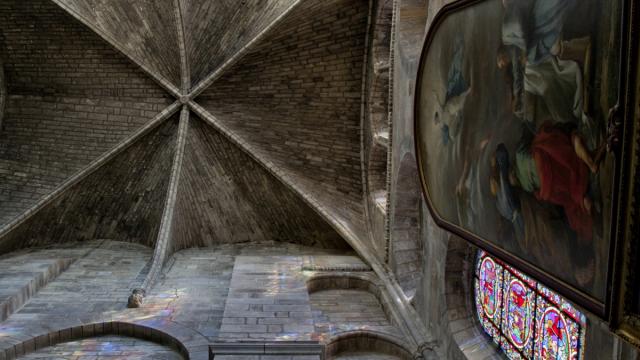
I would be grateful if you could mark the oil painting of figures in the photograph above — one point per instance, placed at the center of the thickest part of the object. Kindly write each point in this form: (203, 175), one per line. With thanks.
(511, 130)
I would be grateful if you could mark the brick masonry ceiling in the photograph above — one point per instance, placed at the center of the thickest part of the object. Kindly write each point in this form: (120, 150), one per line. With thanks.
(193, 122)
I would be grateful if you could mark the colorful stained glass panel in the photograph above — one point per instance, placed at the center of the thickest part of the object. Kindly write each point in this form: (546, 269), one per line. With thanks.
(518, 314)
(563, 304)
(489, 296)
(526, 319)
(490, 287)
(511, 351)
(558, 337)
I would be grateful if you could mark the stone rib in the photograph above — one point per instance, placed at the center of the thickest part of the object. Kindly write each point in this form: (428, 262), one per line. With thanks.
(389, 144)
(163, 244)
(182, 43)
(161, 80)
(90, 169)
(209, 80)
(364, 175)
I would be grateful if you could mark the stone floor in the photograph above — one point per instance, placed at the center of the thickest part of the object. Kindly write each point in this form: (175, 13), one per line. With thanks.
(106, 348)
(224, 293)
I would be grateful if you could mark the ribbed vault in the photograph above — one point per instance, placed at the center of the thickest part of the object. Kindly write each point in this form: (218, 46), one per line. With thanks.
(266, 147)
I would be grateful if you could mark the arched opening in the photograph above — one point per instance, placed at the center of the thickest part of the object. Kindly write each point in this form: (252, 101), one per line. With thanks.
(343, 282)
(108, 346)
(136, 338)
(366, 345)
(342, 303)
(466, 339)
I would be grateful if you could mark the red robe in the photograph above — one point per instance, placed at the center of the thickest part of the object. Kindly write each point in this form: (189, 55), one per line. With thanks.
(564, 178)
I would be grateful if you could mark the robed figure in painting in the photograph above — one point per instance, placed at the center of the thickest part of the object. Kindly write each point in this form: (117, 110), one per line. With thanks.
(556, 158)
(541, 61)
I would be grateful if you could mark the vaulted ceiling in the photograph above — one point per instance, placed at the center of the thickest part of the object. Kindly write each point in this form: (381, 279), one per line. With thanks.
(178, 123)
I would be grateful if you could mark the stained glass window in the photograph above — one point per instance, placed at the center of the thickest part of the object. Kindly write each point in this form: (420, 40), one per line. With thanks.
(523, 317)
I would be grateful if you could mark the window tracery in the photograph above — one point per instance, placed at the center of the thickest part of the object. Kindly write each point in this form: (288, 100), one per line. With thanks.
(523, 317)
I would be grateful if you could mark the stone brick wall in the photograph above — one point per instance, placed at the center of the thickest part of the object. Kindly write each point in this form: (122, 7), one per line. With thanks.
(406, 245)
(196, 301)
(96, 283)
(22, 277)
(224, 196)
(72, 98)
(119, 201)
(251, 313)
(207, 271)
(297, 97)
(337, 311)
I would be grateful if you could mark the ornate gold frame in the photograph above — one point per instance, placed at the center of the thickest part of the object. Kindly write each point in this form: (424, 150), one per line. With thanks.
(624, 315)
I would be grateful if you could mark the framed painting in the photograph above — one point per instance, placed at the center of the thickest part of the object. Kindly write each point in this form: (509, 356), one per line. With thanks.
(519, 128)
(625, 295)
